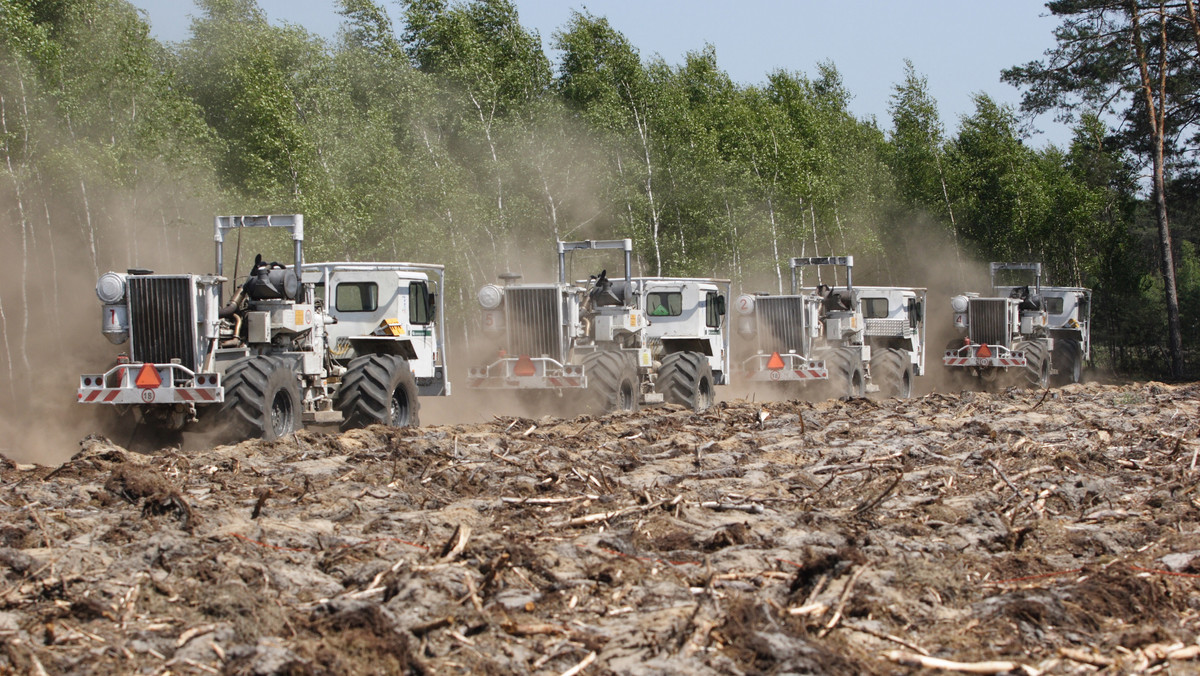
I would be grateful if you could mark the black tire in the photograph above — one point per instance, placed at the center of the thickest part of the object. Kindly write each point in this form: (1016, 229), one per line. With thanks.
(1068, 360)
(1037, 363)
(378, 389)
(612, 382)
(891, 370)
(262, 396)
(686, 378)
(845, 373)
(993, 378)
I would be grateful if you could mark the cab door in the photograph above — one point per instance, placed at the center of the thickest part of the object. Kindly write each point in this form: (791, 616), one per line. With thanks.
(420, 308)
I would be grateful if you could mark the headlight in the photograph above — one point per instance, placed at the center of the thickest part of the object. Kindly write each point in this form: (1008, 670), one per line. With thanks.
(745, 304)
(959, 303)
(490, 296)
(111, 288)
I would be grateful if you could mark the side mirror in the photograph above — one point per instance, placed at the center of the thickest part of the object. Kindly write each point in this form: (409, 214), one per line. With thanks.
(916, 311)
(721, 305)
(431, 306)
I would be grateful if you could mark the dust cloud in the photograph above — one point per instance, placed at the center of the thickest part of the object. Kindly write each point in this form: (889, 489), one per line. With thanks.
(51, 319)
(50, 315)
(926, 255)
(57, 247)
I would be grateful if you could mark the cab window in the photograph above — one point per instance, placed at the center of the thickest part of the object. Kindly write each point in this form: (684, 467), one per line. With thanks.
(664, 304)
(420, 303)
(357, 297)
(875, 308)
(1053, 304)
(712, 310)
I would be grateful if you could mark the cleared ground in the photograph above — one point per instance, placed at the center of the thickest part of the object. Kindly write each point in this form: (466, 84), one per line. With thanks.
(1054, 531)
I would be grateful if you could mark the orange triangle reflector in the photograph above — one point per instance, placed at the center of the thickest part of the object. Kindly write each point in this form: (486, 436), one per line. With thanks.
(775, 363)
(524, 366)
(983, 351)
(148, 377)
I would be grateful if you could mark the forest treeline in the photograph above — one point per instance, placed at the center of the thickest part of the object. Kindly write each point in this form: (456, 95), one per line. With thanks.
(459, 136)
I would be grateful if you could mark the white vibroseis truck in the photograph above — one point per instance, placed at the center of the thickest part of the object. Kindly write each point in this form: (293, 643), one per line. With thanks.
(839, 341)
(351, 342)
(614, 343)
(1034, 335)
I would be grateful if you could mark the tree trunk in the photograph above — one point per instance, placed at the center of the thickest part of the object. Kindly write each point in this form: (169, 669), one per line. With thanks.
(58, 333)
(551, 204)
(1195, 22)
(485, 120)
(937, 158)
(23, 352)
(643, 127)
(8, 362)
(812, 213)
(734, 244)
(775, 243)
(465, 248)
(771, 208)
(1156, 115)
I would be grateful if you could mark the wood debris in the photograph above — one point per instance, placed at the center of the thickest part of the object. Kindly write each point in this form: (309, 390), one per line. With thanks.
(968, 533)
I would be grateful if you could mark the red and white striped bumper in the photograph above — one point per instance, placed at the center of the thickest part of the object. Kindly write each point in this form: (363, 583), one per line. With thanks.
(119, 386)
(958, 358)
(795, 368)
(784, 375)
(505, 374)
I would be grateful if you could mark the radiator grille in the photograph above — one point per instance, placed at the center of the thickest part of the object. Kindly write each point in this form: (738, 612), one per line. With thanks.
(895, 328)
(534, 322)
(162, 320)
(781, 323)
(988, 321)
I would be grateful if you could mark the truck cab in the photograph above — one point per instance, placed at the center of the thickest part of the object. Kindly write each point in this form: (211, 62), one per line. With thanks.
(687, 315)
(388, 308)
(894, 318)
(844, 340)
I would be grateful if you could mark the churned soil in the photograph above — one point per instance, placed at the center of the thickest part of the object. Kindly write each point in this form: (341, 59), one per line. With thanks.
(1024, 531)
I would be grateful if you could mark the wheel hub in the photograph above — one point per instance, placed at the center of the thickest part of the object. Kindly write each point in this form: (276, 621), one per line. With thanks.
(281, 414)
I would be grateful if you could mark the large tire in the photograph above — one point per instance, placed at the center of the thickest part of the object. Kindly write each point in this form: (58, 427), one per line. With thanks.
(845, 373)
(378, 389)
(612, 382)
(993, 378)
(686, 378)
(262, 396)
(1068, 360)
(892, 371)
(1037, 363)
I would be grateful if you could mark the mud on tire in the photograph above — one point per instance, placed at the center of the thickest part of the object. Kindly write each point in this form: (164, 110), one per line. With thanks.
(612, 382)
(1037, 363)
(891, 370)
(1068, 360)
(378, 389)
(262, 397)
(845, 373)
(686, 378)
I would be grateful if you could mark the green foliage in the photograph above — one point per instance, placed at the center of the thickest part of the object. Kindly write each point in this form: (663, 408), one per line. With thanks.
(480, 47)
(600, 74)
(1138, 60)
(243, 74)
(917, 148)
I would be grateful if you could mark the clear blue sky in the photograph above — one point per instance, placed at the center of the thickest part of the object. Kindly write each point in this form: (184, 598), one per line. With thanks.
(960, 45)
